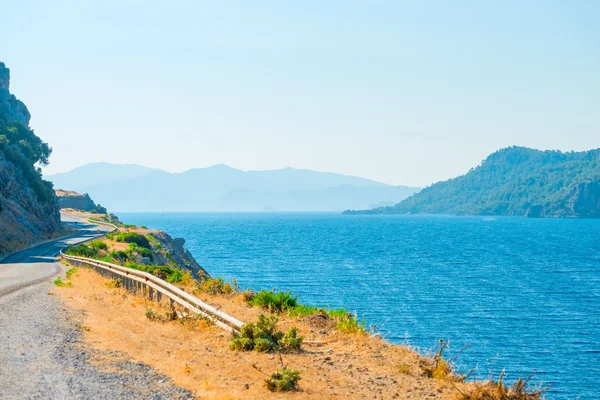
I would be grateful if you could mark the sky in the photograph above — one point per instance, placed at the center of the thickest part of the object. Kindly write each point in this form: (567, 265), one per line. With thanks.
(406, 93)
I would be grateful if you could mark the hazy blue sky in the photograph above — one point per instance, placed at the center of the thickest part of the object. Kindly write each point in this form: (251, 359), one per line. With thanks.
(401, 92)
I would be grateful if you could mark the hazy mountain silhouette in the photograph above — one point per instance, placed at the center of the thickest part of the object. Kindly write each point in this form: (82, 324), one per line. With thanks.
(222, 188)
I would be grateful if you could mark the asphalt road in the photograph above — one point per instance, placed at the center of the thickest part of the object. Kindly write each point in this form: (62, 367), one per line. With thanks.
(42, 354)
(35, 264)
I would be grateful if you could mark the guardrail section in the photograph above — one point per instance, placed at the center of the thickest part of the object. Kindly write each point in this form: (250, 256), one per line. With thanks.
(149, 285)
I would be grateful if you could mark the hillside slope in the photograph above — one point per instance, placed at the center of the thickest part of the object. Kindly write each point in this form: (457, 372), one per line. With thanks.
(515, 181)
(29, 209)
(222, 188)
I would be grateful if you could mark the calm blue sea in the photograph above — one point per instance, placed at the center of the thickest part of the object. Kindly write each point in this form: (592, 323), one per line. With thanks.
(523, 294)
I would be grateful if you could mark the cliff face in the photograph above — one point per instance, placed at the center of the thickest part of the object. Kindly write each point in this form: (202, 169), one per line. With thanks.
(177, 254)
(11, 108)
(29, 209)
(76, 201)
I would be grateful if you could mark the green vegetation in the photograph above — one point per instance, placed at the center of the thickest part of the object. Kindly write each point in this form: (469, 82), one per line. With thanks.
(133, 237)
(284, 380)
(285, 302)
(82, 250)
(516, 181)
(262, 336)
(99, 250)
(275, 302)
(26, 151)
(59, 282)
(71, 272)
(98, 245)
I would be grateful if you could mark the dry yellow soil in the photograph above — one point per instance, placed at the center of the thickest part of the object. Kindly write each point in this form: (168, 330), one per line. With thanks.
(196, 355)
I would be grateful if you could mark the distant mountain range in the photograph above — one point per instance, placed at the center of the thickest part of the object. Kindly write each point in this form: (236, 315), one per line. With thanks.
(515, 181)
(130, 187)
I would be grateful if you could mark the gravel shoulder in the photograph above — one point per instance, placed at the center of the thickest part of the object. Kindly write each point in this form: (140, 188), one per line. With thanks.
(42, 355)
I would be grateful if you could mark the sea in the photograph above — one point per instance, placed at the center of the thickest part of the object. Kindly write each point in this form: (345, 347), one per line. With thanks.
(514, 294)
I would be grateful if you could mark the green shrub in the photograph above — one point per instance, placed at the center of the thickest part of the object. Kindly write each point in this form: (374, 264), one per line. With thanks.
(262, 336)
(110, 236)
(240, 343)
(150, 314)
(347, 322)
(133, 237)
(82, 250)
(291, 340)
(264, 345)
(59, 282)
(284, 380)
(175, 277)
(275, 302)
(144, 252)
(98, 245)
(71, 272)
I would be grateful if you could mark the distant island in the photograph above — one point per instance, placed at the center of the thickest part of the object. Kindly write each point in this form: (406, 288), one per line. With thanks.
(515, 181)
(130, 187)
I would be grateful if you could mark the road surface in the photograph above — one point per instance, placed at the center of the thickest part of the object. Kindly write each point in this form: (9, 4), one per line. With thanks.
(38, 263)
(42, 355)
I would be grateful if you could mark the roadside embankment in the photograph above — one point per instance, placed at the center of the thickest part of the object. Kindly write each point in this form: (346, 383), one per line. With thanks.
(335, 357)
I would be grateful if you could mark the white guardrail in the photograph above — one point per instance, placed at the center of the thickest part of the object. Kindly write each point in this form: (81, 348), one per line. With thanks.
(142, 282)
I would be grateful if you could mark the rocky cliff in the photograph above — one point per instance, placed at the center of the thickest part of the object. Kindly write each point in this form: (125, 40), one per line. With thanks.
(29, 209)
(76, 201)
(581, 201)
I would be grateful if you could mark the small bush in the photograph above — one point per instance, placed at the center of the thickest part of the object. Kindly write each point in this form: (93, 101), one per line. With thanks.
(175, 277)
(98, 245)
(264, 345)
(347, 322)
(59, 282)
(81, 250)
(240, 343)
(110, 236)
(144, 252)
(71, 272)
(291, 340)
(262, 336)
(151, 315)
(214, 286)
(284, 380)
(275, 302)
(133, 237)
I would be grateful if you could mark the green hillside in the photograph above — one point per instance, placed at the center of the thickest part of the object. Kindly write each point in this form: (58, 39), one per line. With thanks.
(515, 181)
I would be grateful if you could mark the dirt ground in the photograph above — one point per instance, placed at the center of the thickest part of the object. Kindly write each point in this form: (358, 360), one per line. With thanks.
(196, 355)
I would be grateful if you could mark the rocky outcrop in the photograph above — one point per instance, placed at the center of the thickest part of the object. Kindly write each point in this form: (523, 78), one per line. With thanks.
(12, 108)
(176, 253)
(583, 200)
(29, 210)
(76, 201)
(23, 219)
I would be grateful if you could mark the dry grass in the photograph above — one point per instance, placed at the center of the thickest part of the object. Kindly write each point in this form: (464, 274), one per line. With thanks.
(499, 391)
(196, 355)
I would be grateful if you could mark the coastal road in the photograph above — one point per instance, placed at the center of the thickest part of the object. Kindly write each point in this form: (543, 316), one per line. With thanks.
(42, 353)
(35, 264)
